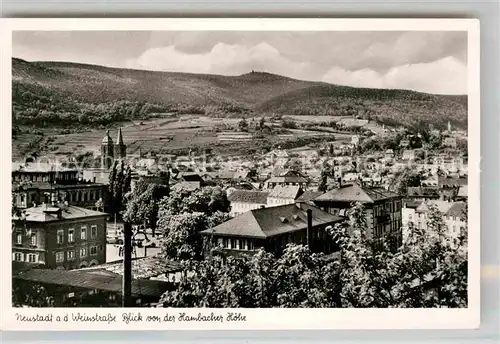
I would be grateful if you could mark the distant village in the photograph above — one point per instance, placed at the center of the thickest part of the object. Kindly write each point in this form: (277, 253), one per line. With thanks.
(67, 236)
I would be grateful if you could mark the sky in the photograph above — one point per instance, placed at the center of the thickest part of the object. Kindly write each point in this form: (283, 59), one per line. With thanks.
(432, 62)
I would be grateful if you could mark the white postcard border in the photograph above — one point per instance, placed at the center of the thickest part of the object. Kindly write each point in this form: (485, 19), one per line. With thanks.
(257, 319)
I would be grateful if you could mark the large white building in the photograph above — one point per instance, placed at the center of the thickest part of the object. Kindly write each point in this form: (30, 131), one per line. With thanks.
(415, 215)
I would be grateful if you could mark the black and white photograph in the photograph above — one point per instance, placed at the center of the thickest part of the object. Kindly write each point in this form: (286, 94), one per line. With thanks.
(240, 169)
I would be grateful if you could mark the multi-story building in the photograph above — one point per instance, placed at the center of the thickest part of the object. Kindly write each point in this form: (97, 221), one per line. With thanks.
(382, 208)
(245, 200)
(59, 236)
(288, 178)
(273, 228)
(37, 182)
(283, 195)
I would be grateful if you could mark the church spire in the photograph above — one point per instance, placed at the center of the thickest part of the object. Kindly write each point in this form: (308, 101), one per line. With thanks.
(119, 139)
(120, 147)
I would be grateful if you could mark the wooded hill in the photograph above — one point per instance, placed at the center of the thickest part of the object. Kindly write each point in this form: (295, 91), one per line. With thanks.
(69, 94)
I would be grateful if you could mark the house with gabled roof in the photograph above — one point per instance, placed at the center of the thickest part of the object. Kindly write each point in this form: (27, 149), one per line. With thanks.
(283, 195)
(245, 200)
(288, 178)
(382, 208)
(273, 228)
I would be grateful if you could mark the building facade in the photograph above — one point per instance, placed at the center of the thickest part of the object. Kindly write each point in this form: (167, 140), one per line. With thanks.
(273, 228)
(60, 237)
(382, 209)
(38, 183)
(246, 200)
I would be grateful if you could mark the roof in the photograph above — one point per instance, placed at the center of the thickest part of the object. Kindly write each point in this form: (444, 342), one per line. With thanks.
(286, 192)
(52, 186)
(287, 179)
(188, 186)
(246, 196)
(190, 177)
(309, 195)
(47, 213)
(101, 280)
(462, 192)
(389, 151)
(452, 181)
(146, 267)
(457, 209)
(41, 167)
(414, 191)
(356, 193)
(411, 204)
(119, 139)
(107, 139)
(272, 221)
(442, 206)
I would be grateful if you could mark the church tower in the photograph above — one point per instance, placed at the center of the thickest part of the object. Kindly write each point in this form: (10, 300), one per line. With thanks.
(107, 153)
(120, 148)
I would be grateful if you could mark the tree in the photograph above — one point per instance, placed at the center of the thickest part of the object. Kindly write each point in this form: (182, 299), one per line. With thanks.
(243, 125)
(183, 214)
(323, 183)
(119, 185)
(143, 203)
(430, 270)
(262, 123)
(298, 277)
(405, 179)
(31, 295)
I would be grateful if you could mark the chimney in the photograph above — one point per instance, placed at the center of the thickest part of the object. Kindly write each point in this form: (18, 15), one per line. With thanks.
(309, 228)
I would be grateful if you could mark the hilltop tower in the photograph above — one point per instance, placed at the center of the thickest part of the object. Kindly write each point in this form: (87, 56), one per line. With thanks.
(449, 126)
(120, 148)
(107, 153)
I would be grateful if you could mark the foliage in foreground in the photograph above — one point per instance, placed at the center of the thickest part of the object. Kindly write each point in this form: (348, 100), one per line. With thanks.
(429, 271)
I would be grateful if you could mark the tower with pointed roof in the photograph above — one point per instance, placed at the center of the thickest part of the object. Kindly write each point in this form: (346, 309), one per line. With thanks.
(120, 150)
(107, 151)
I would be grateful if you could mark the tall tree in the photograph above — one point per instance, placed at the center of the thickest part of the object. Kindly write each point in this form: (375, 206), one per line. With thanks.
(143, 203)
(119, 184)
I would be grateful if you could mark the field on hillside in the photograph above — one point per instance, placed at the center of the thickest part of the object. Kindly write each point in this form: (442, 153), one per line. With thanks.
(159, 134)
(66, 95)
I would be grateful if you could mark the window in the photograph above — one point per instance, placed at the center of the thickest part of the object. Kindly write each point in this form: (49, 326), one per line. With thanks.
(33, 239)
(60, 236)
(32, 258)
(71, 235)
(19, 238)
(250, 245)
(84, 233)
(71, 255)
(93, 250)
(233, 243)
(18, 257)
(83, 252)
(241, 244)
(93, 232)
(225, 243)
(59, 257)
